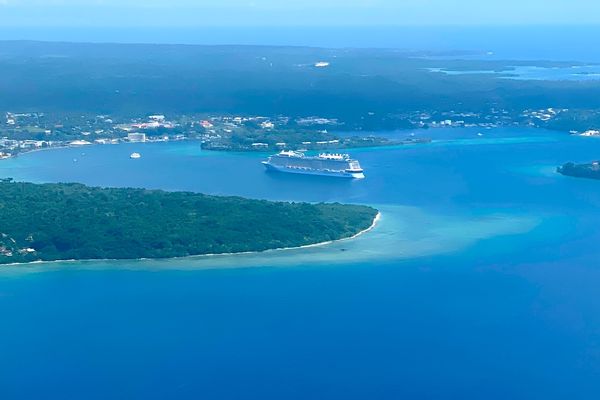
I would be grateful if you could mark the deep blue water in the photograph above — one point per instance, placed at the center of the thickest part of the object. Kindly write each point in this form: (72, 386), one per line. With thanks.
(511, 314)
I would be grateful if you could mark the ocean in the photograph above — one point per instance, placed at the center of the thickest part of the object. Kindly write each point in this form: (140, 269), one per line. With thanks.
(479, 282)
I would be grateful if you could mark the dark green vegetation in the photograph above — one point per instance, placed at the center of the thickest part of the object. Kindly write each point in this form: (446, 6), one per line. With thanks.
(579, 120)
(247, 140)
(364, 89)
(72, 221)
(591, 171)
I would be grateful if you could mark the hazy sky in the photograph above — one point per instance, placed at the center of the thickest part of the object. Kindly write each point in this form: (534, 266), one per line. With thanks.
(96, 13)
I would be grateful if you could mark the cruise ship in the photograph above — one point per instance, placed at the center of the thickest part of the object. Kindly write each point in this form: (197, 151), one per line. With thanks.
(325, 164)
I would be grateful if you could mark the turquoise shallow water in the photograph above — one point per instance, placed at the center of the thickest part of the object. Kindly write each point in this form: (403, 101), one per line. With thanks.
(569, 73)
(479, 282)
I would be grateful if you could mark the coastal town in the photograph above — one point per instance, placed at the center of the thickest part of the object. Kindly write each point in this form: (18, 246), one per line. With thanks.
(24, 132)
(30, 131)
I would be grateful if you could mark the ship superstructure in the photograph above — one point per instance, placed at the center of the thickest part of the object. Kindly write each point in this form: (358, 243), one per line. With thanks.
(326, 164)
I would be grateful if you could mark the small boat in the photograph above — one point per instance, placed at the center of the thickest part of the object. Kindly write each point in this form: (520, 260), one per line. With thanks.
(135, 156)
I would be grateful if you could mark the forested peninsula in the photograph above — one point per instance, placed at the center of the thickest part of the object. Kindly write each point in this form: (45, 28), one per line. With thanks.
(49, 222)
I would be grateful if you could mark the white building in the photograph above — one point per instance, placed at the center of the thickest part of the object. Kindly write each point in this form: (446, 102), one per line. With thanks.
(591, 132)
(157, 118)
(136, 137)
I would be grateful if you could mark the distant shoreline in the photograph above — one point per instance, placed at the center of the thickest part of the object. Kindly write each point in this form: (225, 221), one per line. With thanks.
(69, 146)
(216, 150)
(197, 256)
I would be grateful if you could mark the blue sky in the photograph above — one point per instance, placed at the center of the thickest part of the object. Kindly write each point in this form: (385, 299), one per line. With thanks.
(96, 13)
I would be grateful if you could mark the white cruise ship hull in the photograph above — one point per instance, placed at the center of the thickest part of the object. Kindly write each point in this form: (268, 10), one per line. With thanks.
(308, 171)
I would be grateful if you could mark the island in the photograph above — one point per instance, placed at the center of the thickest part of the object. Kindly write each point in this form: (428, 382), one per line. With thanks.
(49, 222)
(590, 171)
(297, 140)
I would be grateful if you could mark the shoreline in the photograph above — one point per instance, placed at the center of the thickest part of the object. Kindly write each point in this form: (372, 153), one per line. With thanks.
(197, 256)
(224, 151)
(394, 145)
(91, 144)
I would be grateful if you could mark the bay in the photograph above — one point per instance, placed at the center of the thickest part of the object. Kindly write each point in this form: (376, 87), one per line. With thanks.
(479, 282)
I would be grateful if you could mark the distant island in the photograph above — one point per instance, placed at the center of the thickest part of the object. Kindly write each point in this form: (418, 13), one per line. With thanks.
(590, 171)
(299, 140)
(51, 222)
